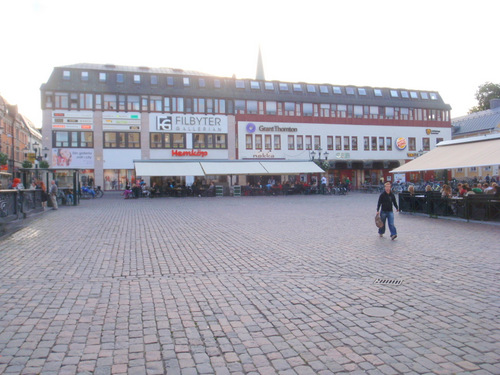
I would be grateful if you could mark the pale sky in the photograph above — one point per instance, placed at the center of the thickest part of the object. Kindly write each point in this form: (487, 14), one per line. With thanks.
(448, 46)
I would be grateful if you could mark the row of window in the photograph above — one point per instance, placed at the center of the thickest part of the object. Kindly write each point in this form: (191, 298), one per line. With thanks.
(137, 78)
(85, 139)
(156, 80)
(178, 140)
(221, 106)
(337, 143)
(338, 110)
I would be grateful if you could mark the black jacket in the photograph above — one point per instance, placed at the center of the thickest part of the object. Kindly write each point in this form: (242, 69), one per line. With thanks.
(386, 201)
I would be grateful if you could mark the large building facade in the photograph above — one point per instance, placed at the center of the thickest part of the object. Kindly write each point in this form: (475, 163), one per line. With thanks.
(100, 118)
(19, 139)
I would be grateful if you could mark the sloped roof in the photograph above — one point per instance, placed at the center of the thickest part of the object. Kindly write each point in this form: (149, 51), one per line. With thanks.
(134, 69)
(476, 122)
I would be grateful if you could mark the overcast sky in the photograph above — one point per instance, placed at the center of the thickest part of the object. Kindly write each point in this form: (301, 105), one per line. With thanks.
(448, 46)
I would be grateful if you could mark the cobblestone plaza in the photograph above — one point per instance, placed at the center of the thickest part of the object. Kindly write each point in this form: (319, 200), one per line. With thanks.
(248, 285)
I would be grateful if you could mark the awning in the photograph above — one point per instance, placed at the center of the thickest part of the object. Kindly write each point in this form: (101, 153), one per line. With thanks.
(157, 168)
(217, 168)
(473, 152)
(291, 167)
(229, 168)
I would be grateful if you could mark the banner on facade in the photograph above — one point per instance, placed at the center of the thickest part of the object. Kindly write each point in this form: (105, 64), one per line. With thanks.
(73, 158)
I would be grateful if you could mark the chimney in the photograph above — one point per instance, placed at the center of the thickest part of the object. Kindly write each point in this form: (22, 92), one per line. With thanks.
(494, 103)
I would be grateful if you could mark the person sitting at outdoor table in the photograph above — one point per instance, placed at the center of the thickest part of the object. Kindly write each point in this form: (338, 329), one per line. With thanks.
(128, 191)
(487, 189)
(210, 191)
(462, 191)
(491, 189)
(155, 190)
(136, 191)
(428, 188)
(476, 188)
(411, 190)
(446, 191)
(69, 196)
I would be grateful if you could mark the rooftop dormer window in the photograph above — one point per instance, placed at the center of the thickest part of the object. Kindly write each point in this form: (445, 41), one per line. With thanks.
(66, 75)
(240, 84)
(255, 85)
(349, 90)
(361, 91)
(377, 92)
(269, 86)
(323, 89)
(120, 78)
(297, 87)
(85, 76)
(102, 77)
(185, 81)
(337, 90)
(283, 86)
(394, 94)
(311, 88)
(137, 78)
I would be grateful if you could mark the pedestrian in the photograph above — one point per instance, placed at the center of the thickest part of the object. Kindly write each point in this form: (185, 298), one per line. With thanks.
(386, 200)
(323, 185)
(53, 194)
(40, 185)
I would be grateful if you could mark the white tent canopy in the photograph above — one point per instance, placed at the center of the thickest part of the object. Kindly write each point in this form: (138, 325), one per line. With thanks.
(463, 153)
(224, 167)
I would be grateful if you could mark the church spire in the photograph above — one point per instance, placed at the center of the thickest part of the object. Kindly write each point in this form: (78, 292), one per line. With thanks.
(260, 68)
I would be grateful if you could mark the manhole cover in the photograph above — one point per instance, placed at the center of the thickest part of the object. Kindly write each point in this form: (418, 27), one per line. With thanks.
(388, 281)
(378, 312)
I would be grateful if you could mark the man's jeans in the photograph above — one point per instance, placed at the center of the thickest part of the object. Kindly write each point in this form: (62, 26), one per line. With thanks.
(389, 215)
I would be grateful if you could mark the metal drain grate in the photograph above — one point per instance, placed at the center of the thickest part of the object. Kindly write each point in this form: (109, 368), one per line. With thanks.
(388, 281)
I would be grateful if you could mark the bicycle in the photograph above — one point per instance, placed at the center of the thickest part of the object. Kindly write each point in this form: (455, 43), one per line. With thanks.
(87, 193)
(98, 192)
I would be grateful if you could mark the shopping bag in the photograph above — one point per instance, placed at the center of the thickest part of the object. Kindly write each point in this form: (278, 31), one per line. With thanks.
(378, 221)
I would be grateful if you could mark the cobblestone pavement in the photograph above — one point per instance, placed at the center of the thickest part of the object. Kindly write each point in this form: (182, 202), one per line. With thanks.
(250, 285)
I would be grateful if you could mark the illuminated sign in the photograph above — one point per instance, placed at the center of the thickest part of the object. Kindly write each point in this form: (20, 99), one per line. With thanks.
(197, 153)
(401, 143)
(188, 123)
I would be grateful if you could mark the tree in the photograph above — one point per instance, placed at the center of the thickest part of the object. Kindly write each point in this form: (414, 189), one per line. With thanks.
(3, 158)
(484, 94)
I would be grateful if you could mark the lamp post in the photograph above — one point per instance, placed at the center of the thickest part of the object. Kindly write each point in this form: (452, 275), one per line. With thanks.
(312, 154)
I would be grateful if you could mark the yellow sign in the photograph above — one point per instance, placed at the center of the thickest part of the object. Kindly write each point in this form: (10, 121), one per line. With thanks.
(31, 157)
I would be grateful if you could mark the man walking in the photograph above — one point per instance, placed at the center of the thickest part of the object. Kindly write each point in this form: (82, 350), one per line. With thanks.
(387, 200)
(53, 194)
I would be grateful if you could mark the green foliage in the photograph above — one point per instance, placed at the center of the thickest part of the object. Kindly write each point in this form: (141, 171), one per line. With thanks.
(3, 158)
(484, 94)
(43, 164)
(27, 164)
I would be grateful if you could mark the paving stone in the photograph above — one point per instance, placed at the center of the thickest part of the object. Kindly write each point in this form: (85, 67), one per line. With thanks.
(248, 285)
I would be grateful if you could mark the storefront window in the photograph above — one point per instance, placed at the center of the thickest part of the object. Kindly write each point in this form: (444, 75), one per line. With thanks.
(116, 179)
